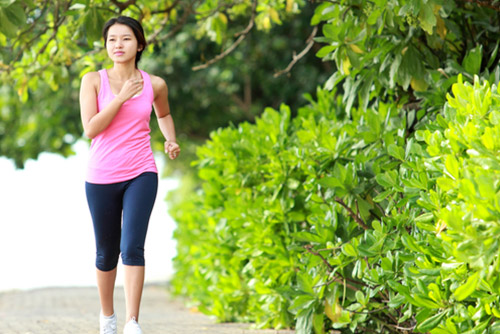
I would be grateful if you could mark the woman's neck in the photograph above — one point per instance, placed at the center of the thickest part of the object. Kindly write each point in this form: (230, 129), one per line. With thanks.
(124, 72)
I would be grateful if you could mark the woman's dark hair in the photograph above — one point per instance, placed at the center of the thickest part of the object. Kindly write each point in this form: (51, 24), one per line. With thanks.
(136, 28)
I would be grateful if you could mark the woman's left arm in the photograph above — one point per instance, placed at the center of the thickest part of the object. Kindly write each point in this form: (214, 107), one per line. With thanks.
(165, 120)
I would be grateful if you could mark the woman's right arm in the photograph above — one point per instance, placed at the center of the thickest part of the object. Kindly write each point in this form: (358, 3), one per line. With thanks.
(95, 122)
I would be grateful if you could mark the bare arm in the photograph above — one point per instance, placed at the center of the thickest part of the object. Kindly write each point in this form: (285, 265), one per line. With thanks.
(95, 122)
(165, 120)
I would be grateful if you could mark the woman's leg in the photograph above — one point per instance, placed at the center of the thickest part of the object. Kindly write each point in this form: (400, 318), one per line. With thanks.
(138, 202)
(106, 286)
(134, 282)
(105, 204)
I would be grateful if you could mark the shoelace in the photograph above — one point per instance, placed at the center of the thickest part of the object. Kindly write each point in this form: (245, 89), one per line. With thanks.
(109, 328)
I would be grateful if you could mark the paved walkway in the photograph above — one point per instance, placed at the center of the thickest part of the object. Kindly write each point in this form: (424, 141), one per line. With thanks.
(76, 311)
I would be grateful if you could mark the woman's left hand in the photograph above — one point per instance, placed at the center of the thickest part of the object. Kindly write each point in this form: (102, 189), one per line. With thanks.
(172, 149)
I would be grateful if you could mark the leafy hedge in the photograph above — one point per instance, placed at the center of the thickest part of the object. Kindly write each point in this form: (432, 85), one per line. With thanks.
(321, 222)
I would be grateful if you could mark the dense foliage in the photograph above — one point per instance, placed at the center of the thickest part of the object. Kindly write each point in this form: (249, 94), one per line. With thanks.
(328, 222)
(375, 208)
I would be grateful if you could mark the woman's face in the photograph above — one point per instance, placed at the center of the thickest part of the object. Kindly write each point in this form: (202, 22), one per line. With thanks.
(121, 43)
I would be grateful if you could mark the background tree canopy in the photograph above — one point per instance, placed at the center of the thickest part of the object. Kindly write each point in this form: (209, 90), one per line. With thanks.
(46, 46)
(367, 202)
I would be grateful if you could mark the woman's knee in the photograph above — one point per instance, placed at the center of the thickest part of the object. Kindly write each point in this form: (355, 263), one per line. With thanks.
(107, 259)
(132, 255)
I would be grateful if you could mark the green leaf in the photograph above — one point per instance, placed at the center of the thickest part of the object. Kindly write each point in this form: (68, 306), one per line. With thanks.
(414, 183)
(382, 196)
(360, 297)
(329, 182)
(472, 61)
(93, 21)
(15, 14)
(319, 13)
(431, 322)
(424, 218)
(410, 243)
(427, 18)
(308, 236)
(446, 183)
(6, 27)
(377, 226)
(403, 290)
(334, 79)
(305, 321)
(396, 301)
(389, 180)
(349, 250)
(330, 31)
(425, 302)
(301, 302)
(411, 66)
(452, 167)
(295, 216)
(318, 322)
(396, 151)
(493, 55)
(324, 51)
(465, 290)
(6, 3)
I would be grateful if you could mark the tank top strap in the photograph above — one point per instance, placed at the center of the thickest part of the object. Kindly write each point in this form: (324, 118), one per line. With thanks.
(148, 86)
(105, 89)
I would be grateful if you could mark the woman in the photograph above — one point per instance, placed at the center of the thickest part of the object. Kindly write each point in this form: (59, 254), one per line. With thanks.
(121, 182)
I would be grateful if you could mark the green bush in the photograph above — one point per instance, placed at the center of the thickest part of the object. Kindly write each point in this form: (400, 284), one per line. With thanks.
(322, 221)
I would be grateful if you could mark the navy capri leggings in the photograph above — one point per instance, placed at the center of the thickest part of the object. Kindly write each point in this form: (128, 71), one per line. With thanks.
(134, 200)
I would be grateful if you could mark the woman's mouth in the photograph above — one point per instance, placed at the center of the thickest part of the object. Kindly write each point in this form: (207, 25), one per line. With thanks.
(119, 53)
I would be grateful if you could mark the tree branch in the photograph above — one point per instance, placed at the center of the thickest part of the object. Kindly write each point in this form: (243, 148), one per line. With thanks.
(354, 216)
(166, 10)
(483, 4)
(296, 58)
(241, 34)
(189, 10)
(123, 5)
(330, 269)
(34, 23)
(153, 36)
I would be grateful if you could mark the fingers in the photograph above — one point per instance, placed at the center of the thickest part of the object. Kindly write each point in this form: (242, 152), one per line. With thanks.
(172, 149)
(174, 152)
(173, 155)
(137, 83)
(130, 88)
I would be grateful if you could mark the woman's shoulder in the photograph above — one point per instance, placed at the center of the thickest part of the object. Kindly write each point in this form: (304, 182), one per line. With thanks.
(91, 77)
(158, 83)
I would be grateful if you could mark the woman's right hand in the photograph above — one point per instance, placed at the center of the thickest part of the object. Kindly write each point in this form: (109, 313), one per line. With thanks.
(130, 88)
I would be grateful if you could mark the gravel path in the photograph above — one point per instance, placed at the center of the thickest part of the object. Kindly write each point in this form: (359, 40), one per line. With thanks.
(76, 311)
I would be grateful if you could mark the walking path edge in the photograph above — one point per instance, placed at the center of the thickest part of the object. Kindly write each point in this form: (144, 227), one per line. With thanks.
(76, 311)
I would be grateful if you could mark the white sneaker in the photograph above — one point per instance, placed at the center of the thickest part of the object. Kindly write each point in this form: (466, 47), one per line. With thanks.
(132, 327)
(108, 324)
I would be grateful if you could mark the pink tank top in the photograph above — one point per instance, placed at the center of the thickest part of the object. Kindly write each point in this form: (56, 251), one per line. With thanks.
(123, 150)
